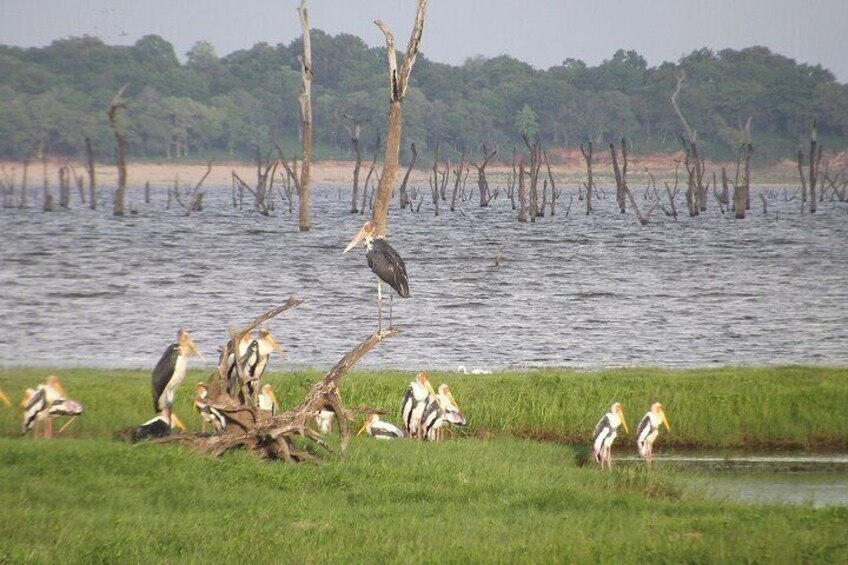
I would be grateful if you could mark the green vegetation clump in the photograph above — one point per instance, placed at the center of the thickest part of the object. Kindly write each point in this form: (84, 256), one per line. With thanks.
(223, 106)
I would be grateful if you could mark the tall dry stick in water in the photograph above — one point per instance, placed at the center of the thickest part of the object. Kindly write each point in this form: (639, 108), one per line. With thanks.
(590, 182)
(119, 103)
(89, 166)
(305, 99)
(398, 80)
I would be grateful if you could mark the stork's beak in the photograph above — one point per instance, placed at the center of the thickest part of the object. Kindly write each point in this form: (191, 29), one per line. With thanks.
(452, 399)
(665, 421)
(430, 388)
(175, 422)
(58, 386)
(624, 422)
(197, 351)
(356, 239)
(362, 429)
(5, 398)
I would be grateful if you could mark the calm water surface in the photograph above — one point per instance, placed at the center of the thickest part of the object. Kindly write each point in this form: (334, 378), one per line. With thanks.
(83, 288)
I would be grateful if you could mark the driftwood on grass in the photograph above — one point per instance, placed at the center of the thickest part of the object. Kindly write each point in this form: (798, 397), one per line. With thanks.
(287, 436)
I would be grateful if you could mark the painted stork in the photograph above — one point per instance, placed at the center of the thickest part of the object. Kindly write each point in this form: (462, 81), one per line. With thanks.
(207, 413)
(4, 399)
(379, 429)
(386, 263)
(649, 429)
(605, 433)
(268, 400)
(242, 346)
(254, 360)
(418, 395)
(441, 410)
(169, 373)
(45, 402)
(324, 421)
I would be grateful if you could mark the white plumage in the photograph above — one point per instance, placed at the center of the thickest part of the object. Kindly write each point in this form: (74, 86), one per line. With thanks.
(379, 429)
(649, 429)
(418, 395)
(605, 433)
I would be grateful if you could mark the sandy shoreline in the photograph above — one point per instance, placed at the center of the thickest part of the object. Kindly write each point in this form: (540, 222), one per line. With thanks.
(569, 170)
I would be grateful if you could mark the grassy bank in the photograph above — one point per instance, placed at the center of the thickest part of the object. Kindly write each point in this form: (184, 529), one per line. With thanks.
(775, 407)
(493, 497)
(471, 501)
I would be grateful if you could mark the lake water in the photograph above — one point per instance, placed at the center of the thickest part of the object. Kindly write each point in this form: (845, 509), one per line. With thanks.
(813, 479)
(83, 288)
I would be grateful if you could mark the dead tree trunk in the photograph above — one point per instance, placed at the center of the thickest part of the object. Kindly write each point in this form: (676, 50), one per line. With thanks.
(554, 193)
(535, 164)
(696, 193)
(620, 176)
(814, 157)
(482, 182)
(354, 133)
(304, 198)
(89, 166)
(590, 182)
(522, 195)
(458, 173)
(65, 187)
(512, 178)
(404, 197)
(119, 103)
(398, 80)
(368, 176)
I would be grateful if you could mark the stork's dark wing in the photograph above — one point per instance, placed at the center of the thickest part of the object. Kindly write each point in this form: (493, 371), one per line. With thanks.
(34, 406)
(603, 424)
(643, 429)
(406, 407)
(389, 266)
(163, 372)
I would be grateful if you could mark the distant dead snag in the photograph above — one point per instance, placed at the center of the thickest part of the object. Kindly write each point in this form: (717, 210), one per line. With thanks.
(287, 436)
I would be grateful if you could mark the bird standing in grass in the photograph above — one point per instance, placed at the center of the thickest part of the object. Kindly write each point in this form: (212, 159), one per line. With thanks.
(379, 429)
(649, 429)
(386, 263)
(42, 404)
(441, 409)
(418, 395)
(169, 373)
(606, 432)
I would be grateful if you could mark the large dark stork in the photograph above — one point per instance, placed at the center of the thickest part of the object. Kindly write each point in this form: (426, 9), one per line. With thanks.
(605, 433)
(386, 263)
(169, 373)
(649, 429)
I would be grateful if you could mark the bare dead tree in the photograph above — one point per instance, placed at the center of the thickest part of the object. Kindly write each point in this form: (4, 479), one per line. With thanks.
(196, 200)
(482, 181)
(742, 191)
(445, 177)
(590, 182)
(398, 81)
(535, 150)
(554, 192)
(620, 175)
(814, 157)
(65, 186)
(370, 172)
(118, 103)
(404, 197)
(304, 197)
(458, 174)
(89, 166)
(522, 194)
(672, 193)
(511, 181)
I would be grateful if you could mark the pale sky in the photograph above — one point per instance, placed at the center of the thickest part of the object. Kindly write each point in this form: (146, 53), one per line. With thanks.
(540, 32)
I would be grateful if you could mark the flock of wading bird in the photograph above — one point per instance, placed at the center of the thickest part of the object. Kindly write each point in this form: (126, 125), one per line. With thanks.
(424, 411)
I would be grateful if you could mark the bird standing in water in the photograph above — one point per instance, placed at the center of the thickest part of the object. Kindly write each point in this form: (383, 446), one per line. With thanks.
(605, 433)
(169, 373)
(649, 429)
(386, 263)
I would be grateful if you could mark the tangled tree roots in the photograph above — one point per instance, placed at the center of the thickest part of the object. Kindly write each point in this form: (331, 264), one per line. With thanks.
(287, 435)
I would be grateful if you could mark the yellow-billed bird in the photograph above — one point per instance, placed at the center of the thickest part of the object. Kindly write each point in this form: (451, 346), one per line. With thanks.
(267, 400)
(418, 395)
(379, 429)
(207, 413)
(605, 433)
(649, 429)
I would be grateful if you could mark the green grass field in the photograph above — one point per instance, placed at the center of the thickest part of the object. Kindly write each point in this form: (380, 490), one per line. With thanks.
(492, 495)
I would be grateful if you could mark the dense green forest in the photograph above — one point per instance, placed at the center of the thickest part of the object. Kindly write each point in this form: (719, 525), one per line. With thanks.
(51, 98)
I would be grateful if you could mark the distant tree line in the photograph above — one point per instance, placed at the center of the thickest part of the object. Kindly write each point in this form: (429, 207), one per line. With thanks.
(52, 98)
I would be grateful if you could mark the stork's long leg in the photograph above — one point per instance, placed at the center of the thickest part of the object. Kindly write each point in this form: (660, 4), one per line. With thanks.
(379, 306)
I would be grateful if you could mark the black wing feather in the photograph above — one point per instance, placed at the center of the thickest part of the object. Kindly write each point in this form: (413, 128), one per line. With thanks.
(603, 423)
(163, 372)
(389, 266)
